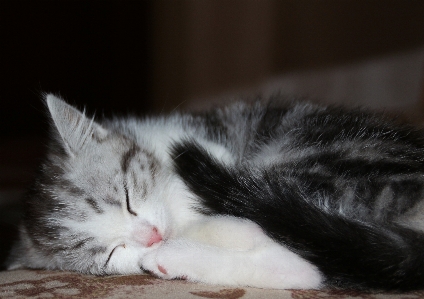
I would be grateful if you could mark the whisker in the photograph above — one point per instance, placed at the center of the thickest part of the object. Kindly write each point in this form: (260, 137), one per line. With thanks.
(179, 155)
(176, 107)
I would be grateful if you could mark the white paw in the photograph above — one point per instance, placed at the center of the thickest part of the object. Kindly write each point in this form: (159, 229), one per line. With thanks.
(279, 268)
(166, 262)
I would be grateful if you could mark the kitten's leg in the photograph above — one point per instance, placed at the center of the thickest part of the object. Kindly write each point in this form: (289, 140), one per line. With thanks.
(270, 266)
(254, 261)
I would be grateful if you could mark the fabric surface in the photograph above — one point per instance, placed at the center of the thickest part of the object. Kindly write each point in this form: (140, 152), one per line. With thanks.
(56, 284)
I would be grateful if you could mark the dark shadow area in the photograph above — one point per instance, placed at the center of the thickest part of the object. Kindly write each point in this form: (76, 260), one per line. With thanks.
(93, 53)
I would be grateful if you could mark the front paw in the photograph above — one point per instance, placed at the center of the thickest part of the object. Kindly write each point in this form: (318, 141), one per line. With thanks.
(163, 263)
(150, 265)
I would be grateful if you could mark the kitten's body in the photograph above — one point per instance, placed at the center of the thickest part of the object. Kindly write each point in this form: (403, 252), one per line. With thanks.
(335, 198)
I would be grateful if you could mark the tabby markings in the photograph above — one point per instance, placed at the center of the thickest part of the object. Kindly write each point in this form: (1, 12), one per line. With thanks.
(126, 158)
(94, 205)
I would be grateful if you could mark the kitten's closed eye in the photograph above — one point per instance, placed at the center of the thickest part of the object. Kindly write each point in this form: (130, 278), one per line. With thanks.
(127, 198)
(111, 253)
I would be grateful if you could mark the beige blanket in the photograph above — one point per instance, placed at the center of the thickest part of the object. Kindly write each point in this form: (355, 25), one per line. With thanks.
(50, 284)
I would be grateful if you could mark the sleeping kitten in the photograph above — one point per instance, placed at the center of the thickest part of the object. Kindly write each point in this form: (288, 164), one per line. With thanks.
(296, 196)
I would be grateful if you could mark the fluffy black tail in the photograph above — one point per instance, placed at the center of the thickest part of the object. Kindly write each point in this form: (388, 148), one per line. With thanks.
(350, 253)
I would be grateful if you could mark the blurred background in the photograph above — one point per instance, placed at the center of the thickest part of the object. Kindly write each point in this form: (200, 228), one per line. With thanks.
(115, 57)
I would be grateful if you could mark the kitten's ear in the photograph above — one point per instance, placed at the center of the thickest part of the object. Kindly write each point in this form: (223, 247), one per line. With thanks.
(74, 128)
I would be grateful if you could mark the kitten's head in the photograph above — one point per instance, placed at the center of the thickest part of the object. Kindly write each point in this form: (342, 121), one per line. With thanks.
(97, 205)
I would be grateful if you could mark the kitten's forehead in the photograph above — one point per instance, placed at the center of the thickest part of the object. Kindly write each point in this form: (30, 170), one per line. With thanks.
(107, 167)
(128, 153)
(116, 149)
(106, 174)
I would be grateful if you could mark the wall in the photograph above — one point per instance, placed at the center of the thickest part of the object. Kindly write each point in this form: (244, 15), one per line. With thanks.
(209, 48)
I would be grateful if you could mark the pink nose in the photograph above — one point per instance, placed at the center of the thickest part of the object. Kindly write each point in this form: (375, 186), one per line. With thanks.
(155, 237)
